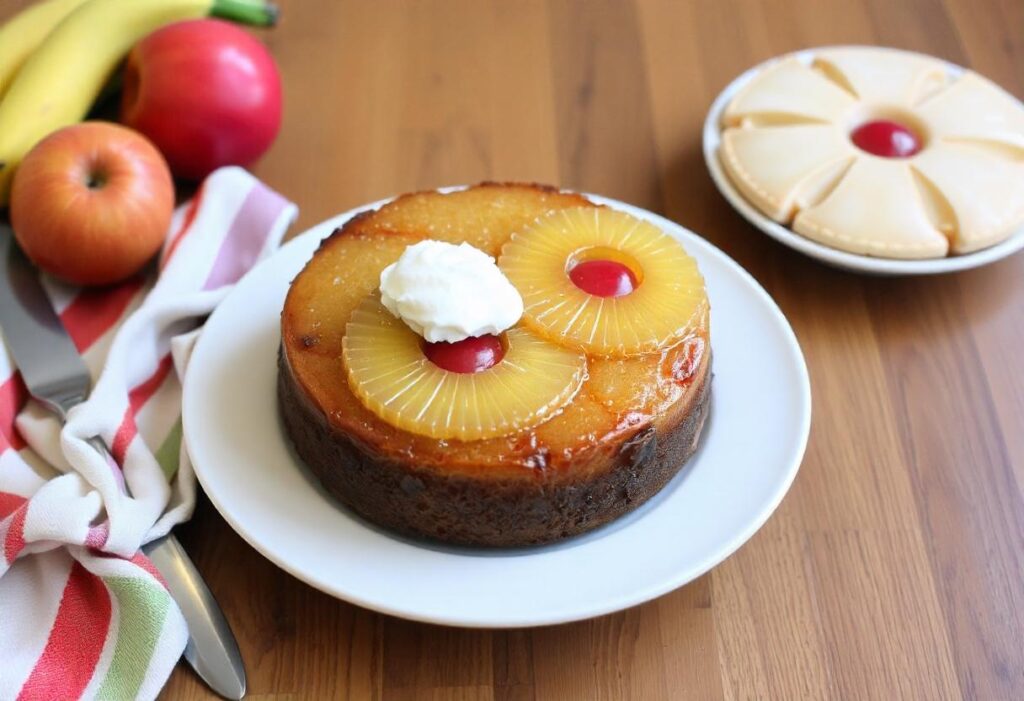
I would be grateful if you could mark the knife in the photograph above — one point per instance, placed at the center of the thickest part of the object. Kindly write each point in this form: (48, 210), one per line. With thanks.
(56, 375)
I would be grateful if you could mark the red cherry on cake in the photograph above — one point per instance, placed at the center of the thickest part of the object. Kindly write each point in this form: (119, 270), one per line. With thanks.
(886, 139)
(469, 355)
(603, 278)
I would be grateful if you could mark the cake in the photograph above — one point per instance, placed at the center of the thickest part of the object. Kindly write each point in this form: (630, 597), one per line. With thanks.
(879, 152)
(579, 413)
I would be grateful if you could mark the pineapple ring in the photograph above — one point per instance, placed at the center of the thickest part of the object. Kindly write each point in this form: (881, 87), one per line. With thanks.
(392, 377)
(663, 308)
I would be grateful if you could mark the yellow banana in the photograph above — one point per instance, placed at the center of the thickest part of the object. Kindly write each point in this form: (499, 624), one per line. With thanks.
(21, 34)
(57, 85)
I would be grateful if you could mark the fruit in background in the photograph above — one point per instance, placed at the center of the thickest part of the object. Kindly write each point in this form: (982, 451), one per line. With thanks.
(604, 281)
(21, 34)
(91, 203)
(207, 93)
(393, 374)
(58, 83)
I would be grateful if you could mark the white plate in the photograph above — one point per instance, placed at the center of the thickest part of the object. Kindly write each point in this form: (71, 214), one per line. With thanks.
(752, 446)
(832, 256)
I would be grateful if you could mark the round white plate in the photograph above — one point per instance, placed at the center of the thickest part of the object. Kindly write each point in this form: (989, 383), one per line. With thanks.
(832, 256)
(752, 446)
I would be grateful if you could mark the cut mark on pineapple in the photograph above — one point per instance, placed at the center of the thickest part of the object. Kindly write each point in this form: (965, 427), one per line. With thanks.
(597, 320)
(572, 322)
(936, 206)
(832, 73)
(426, 405)
(413, 368)
(549, 309)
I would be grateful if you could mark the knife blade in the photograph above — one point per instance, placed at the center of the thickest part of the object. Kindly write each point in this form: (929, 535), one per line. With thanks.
(56, 375)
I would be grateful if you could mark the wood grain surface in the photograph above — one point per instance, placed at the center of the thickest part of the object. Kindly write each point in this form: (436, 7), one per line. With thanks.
(894, 569)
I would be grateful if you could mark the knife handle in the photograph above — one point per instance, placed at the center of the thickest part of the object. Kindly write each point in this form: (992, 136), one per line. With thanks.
(212, 650)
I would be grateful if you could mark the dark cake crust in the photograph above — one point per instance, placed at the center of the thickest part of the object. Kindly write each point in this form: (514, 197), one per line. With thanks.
(498, 511)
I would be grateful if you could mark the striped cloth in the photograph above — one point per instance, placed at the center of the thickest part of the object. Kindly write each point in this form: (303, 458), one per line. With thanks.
(83, 613)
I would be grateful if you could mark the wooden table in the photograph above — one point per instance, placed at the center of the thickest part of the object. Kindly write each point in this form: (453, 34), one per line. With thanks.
(895, 566)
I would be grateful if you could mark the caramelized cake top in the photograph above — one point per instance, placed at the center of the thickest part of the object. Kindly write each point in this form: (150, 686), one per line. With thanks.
(619, 397)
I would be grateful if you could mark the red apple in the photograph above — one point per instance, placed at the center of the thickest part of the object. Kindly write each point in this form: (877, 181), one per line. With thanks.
(205, 92)
(91, 203)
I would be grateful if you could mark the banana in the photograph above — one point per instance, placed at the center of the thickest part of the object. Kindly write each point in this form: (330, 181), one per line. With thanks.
(25, 31)
(57, 85)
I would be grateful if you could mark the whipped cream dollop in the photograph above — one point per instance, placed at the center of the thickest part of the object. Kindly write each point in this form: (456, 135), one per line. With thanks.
(446, 292)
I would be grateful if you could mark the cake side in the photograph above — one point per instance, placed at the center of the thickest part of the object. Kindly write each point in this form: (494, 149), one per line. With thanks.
(495, 510)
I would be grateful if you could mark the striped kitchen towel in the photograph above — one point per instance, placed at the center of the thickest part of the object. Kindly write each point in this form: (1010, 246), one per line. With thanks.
(83, 613)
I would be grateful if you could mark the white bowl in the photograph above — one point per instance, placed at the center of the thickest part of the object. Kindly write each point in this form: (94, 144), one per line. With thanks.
(832, 256)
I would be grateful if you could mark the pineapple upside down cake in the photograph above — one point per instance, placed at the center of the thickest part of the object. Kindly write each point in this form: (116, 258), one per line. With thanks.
(879, 152)
(443, 395)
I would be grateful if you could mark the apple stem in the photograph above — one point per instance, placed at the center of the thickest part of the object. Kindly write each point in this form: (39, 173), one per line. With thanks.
(257, 12)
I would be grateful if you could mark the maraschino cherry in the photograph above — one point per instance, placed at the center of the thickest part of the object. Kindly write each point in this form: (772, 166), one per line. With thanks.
(887, 139)
(603, 278)
(473, 354)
